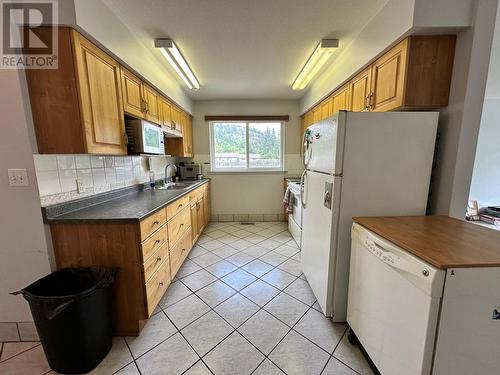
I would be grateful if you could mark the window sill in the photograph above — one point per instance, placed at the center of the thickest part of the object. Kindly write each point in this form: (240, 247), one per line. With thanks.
(280, 172)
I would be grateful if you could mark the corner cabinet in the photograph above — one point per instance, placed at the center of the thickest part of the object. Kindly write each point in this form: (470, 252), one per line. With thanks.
(181, 147)
(78, 108)
(148, 253)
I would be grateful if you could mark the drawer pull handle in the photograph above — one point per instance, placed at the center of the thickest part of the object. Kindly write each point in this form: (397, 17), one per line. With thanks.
(158, 259)
(160, 283)
(183, 250)
(157, 241)
(180, 205)
(156, 222)
(180, 226)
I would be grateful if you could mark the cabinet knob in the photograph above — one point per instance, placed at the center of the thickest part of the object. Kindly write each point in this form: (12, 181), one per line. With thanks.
(158, 241)
(160, 283)
(156, 222)
(158, 259)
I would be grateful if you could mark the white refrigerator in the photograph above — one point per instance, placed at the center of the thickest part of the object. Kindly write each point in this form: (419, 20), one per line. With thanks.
(358, 164)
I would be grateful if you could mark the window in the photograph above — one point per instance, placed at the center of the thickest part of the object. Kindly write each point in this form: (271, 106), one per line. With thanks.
(246, 146)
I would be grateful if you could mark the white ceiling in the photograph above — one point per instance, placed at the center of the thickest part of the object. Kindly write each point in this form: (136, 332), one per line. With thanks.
(245, 49)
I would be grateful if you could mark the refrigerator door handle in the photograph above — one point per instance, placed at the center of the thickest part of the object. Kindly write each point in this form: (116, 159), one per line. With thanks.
(303, 188)
(302, 148)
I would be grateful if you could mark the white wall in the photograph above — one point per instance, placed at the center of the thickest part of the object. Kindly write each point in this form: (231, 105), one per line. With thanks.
(460, 121)
(96, 19)
(485, 185)
(23, 247)
(254, 193)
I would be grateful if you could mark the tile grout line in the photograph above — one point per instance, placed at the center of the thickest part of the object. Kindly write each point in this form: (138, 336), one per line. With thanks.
(292, 328)
(131, 355)
(263, 308)
(18, 354)
(237, 292)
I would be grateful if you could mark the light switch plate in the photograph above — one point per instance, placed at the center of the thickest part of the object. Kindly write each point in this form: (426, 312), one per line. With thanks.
(18, 177)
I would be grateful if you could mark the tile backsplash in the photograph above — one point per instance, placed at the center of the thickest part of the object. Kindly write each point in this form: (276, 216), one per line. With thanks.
(57, 175)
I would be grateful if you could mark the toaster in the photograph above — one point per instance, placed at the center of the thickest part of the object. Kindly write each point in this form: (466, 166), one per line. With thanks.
(190, 171)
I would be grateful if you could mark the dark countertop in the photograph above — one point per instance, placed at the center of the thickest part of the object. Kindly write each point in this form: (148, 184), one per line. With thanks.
(441, 241)
(134, 205)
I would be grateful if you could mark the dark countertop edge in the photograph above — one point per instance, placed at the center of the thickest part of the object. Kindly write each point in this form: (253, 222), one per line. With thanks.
(57, 220)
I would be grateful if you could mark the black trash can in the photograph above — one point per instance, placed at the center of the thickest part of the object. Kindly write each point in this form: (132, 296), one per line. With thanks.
(72, 313)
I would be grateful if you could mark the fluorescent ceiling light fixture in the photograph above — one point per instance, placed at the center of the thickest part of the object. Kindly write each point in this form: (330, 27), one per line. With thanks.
(175, 58)
(315, 62)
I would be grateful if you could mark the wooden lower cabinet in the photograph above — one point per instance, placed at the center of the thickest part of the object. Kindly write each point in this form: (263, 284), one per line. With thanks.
(200, 210)
(148, 253)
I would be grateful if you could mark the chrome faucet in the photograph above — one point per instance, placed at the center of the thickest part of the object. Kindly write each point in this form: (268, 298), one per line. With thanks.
(170, 179)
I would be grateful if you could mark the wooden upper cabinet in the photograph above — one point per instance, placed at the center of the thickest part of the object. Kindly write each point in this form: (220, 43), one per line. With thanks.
(152, 101)
(326, 108)
(100, 90)
(316, 114)
(166, 113)
(359, 91)
(340, 100)
(176, 118)
(132, 93)
(416, 73)
(77, 108)
(388, 79)
(187, 134)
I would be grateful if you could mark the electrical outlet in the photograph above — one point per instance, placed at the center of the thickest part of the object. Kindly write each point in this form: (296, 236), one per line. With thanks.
(18, 177)
(80, 187)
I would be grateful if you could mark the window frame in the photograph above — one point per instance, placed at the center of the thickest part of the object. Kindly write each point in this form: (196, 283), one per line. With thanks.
(248, 169)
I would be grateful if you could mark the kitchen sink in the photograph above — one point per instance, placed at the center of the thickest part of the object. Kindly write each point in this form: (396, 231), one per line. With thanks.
(175, 186)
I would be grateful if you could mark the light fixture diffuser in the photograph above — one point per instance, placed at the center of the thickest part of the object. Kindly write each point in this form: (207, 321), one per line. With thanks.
(175, 58)
(315, 62)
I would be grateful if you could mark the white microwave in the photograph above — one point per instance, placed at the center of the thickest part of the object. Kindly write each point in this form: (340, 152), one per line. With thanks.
(144, 137)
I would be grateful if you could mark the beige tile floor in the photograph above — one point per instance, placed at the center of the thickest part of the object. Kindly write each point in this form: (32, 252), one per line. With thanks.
(239, 305)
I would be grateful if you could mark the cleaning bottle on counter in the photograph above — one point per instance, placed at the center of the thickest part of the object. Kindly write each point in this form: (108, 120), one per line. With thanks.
(152, 182)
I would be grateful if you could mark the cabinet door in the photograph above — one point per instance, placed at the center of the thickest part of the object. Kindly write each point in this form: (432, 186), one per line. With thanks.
(152, 100)
(341, 99)
(359, 91)
(388, 75)
(166, 115)
(176, 118)
(206, 208)
(132, 93)
(309, 118)
(101, 100)
(194, 223)
(326, 108)
(316, 114)
(201, 216)
(187, 134)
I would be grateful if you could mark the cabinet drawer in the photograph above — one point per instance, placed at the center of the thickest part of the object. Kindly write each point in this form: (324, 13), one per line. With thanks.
(153, 263)
(179, 252)
(154, 242)
(157, 285)
(150, 224)
(178, 226)
(177, 206)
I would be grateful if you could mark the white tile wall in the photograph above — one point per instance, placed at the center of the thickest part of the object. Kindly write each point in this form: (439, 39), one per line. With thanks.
(57, 174)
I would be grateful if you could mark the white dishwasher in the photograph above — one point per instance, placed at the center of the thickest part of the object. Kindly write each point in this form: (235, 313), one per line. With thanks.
(393, 304)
